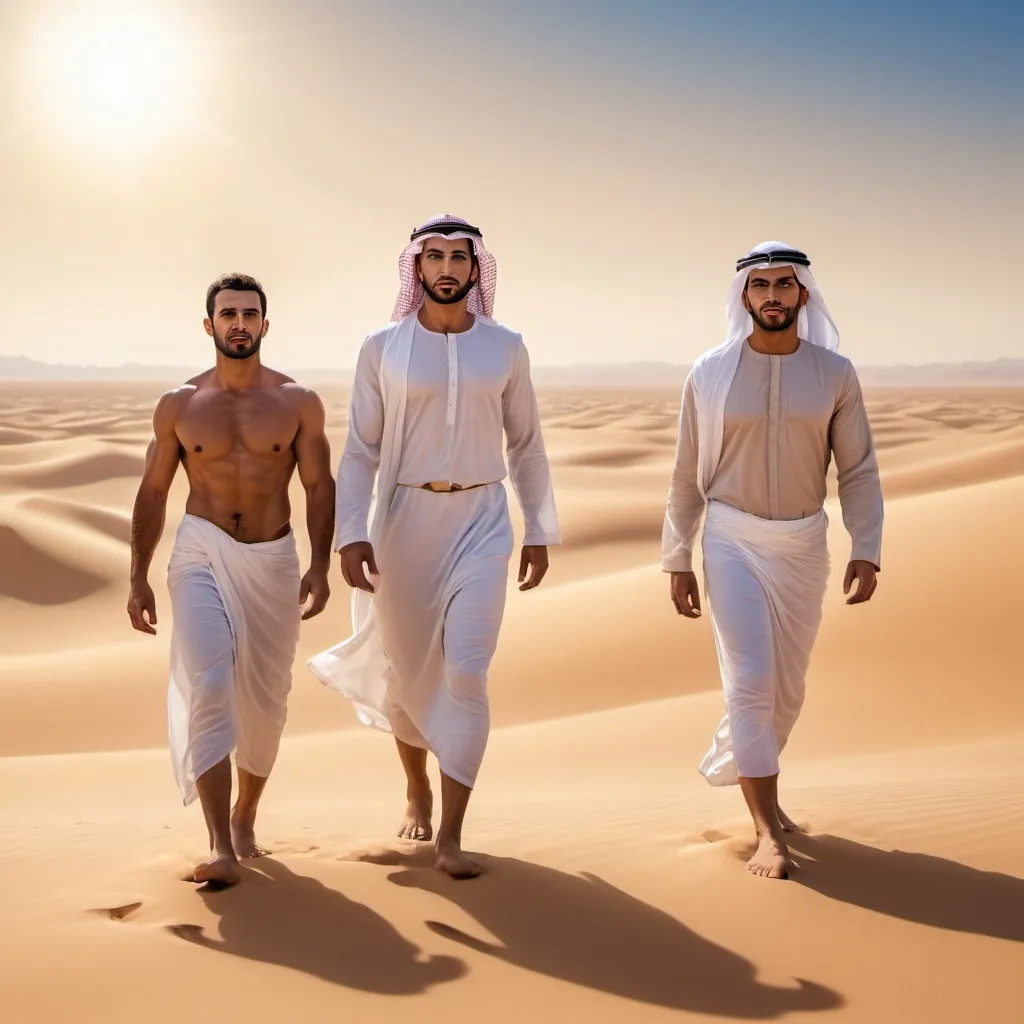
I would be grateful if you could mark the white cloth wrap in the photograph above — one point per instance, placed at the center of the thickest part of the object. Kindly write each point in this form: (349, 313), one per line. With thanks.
(236, 616)
(765, 584)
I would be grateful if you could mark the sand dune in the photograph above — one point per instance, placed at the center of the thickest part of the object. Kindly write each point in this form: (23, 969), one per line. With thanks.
(615, 888)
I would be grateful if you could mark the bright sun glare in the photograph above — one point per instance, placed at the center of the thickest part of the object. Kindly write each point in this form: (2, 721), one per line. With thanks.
(116, 79)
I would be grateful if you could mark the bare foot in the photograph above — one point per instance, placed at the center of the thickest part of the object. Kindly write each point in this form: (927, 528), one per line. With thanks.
(220, 870)
(787, 823)
(243, 839)
(416, 823)
(772, 857)
(450, 859)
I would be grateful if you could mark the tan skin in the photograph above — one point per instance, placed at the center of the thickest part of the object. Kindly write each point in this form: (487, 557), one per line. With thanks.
(445, 266)
(774, 297)
(240, 430)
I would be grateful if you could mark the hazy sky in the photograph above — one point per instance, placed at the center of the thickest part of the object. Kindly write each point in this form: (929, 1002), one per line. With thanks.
(619, 157)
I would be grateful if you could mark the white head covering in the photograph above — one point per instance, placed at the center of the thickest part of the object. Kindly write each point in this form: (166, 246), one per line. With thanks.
(411, 295)
(814, 323)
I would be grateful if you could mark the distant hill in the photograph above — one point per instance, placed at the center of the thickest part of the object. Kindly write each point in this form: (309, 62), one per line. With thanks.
(999, 372)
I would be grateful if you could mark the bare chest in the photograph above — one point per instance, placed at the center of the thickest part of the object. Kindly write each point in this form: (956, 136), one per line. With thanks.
(221, 424)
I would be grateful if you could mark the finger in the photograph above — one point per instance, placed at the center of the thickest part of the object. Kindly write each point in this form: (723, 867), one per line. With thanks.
(524, 561)
(362, 582)
(346, 575)
(675, 604)
(695, 599)
(303, 591)
(138, 622)
(371, 564)
(151, 612)
(541, 571)
(851, 572)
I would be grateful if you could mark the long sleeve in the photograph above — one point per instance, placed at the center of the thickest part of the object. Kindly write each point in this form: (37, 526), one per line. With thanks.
(527, 458)
(860, 489)
(685, 505)
(361, 456)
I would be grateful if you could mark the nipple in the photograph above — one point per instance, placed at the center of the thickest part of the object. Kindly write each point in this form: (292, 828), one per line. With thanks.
(198, 448)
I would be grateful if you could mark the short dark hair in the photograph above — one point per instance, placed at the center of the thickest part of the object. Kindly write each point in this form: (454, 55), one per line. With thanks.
(235, 283)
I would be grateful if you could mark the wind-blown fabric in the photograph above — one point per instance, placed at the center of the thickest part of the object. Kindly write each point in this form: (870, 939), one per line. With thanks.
(765, 582)
(236, 614)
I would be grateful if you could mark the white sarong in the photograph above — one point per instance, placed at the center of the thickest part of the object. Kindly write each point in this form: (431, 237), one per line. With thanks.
(765, 582)
(236, 616)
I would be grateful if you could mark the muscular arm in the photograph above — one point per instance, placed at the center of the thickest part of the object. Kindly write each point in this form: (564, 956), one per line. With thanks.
(313, 459)
(162, 458)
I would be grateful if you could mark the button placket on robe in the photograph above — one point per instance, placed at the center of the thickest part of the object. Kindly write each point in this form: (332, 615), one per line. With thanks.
(453, 396)
(774, 403)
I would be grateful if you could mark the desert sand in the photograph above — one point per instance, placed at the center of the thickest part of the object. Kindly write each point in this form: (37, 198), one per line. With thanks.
(615, 887)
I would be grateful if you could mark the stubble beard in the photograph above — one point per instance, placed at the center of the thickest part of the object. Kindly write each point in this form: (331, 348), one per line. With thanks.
(224, 347)
(779, 325)
(448, 300)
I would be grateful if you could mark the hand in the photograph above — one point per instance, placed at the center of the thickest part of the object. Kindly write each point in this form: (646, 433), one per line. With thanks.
(534, 558)
(353, 556)
(314, 584)
(685, 594)
(864, 573)
(142, 607)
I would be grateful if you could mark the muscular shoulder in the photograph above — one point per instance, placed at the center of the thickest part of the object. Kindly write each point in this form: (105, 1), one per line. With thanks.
(305, 399)
(171, 404)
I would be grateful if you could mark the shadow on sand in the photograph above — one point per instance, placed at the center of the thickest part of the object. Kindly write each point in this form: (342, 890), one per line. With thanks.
(913, 886)
(278, 917)
(581, 929)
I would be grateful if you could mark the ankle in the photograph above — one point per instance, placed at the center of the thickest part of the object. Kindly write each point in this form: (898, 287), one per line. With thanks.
(224, 851)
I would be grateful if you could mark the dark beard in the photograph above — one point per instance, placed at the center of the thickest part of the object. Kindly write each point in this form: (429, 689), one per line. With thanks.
(457, 296)
(780, 325)
(224, 348)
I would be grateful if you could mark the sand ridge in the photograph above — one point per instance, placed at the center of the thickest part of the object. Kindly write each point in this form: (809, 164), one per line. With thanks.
(615, 889)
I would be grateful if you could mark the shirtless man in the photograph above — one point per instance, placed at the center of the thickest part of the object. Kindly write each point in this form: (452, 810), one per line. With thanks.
(240, 429)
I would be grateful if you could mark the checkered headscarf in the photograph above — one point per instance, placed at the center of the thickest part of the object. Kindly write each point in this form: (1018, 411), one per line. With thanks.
(411, 295)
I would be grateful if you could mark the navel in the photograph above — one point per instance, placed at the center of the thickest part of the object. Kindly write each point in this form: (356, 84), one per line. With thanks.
(198, 448)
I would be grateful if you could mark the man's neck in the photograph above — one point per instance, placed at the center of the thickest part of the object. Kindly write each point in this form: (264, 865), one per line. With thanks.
(774, 343)
(442, 319)
(238, 374)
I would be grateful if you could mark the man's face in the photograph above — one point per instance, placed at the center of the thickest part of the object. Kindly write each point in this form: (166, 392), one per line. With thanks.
(446, 269)
(774, 297)
(237, 326)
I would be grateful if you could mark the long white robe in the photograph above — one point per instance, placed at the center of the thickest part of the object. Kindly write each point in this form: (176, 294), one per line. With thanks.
(429, 407)
(235, 627)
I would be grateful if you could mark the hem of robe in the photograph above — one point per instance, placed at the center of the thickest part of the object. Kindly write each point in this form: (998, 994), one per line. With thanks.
(721, 770)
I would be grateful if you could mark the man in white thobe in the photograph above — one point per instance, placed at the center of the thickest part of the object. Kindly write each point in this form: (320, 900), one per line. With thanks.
(763, 414)
(433, 394)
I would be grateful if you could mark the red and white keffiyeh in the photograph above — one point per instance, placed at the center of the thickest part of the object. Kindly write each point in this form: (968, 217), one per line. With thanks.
(411, 295)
